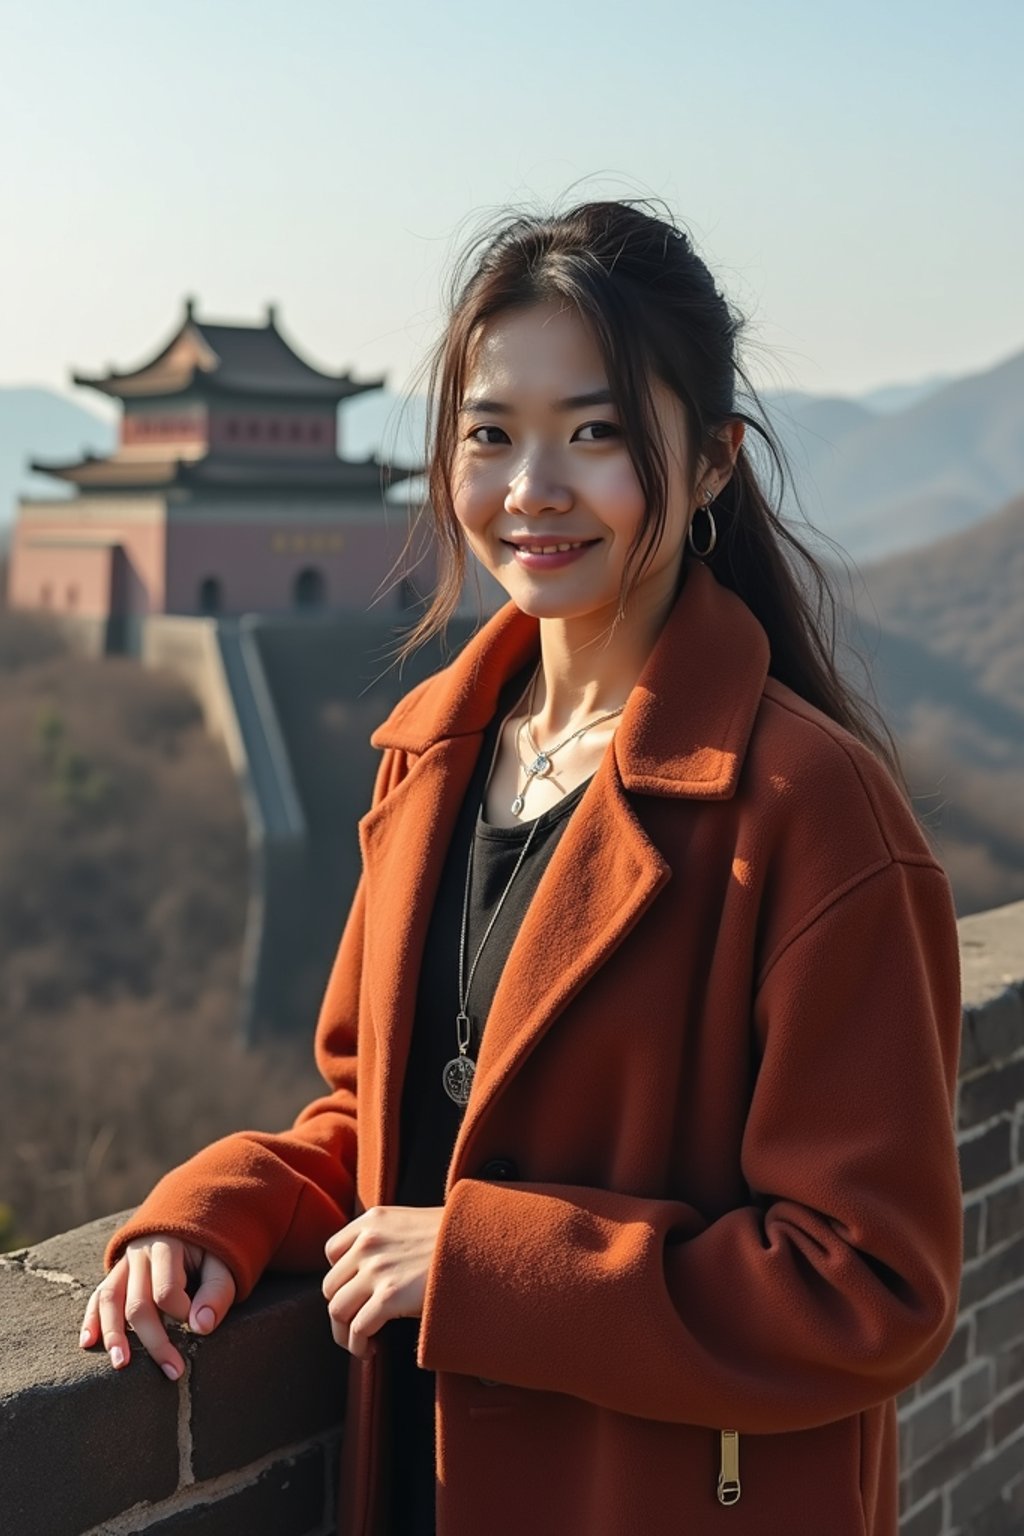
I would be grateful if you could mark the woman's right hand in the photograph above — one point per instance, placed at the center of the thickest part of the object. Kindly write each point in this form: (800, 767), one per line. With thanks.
(150, 1278)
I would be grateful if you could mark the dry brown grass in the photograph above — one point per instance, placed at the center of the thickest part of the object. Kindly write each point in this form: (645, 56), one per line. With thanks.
(122, 898)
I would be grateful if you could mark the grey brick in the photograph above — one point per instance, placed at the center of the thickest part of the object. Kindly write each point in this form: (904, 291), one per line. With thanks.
(972, 1229)
(956, 1455)
(974, 1391)
(926, 1522)
(1004, 1213)
(998, 1323)
(952, 1358)
(985, 1157)
(1007, 1418)
(999, 1268)
(994, 1092)
(984, 1485)
(1009, 1365)
(929, 1425)
(992, 1032)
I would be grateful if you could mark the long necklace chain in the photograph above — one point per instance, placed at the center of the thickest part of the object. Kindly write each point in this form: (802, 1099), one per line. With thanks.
(457, 1075)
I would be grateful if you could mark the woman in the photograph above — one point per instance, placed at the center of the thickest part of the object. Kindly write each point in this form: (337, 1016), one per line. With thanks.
(649, 986)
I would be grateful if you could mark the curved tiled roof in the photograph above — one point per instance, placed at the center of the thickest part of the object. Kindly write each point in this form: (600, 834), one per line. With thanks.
(209, 358)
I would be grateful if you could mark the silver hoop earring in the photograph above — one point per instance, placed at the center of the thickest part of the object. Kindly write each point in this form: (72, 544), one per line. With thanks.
(702, 554)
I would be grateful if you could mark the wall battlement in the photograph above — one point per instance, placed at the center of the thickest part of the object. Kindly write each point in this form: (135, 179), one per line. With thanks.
(248, 1440)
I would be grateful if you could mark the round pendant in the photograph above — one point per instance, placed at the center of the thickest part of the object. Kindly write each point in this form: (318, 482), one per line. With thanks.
(458, 1078)
(541, 764)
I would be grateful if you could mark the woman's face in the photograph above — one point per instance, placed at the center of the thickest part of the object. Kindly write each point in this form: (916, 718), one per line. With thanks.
(535, 462)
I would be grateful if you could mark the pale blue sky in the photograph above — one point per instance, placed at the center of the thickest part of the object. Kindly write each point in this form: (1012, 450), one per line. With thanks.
(852, 173)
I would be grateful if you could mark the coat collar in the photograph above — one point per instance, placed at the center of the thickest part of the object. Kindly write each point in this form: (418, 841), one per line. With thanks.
(688, 719)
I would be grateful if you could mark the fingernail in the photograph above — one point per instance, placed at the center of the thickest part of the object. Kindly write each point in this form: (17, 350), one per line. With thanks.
(205, 1319)
(117, 1356)
(170, 1370)
(84, 1336)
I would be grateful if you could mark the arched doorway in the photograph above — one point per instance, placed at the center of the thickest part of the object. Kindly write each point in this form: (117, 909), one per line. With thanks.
(310, 589)
(211, 595)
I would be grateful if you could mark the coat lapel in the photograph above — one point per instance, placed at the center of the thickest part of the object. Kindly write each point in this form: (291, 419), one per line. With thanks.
(404, 841)
(683, 732)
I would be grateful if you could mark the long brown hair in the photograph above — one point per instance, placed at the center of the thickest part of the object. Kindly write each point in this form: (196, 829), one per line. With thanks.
(654, 310)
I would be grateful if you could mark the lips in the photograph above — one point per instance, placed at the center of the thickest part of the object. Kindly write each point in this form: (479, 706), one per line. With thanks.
(534, 545)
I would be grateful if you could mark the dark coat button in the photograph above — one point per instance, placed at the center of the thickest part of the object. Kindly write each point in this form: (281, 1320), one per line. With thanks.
(500, 1168)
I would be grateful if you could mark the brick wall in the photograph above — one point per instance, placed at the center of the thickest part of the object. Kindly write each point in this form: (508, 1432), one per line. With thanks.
(248, 1440)
(962, 1425)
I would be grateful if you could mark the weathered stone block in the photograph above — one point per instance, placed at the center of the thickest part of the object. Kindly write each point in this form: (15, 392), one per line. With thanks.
(1004, 1213)
(998, 1269)
(992, 1093)
(275, 1353)
(1007, 1418)
(927, 1521)
(79, 1442)
(951, 1359)
(929, 1425)
(974, 1391)
(993, 1033)
(287, 1500)
(999, 1323)
(972, 1229)
(984, 1484)
(1009, 1367)
(985, 1157)
(955, 1456)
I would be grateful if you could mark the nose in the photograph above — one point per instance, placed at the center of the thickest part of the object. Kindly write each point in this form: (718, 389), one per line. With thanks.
(534, 492)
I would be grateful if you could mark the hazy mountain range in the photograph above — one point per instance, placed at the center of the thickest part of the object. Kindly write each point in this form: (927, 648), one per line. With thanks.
(895, 469)
(942, 630)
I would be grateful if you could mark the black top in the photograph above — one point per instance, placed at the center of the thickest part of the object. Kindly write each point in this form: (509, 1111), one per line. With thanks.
(430, 1119)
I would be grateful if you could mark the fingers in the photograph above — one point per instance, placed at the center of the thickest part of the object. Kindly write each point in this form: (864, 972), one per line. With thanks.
(214, 1296)
(148, 1281)
(108, 1299)
(167, 1267)
(358, 1310)
(105, 1316)
(141, 1311)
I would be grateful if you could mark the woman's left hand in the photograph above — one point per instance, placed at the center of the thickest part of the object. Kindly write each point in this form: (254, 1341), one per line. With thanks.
(379, 1270)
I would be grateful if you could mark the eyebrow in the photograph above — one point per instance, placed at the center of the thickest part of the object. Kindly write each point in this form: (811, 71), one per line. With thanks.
(574, 403)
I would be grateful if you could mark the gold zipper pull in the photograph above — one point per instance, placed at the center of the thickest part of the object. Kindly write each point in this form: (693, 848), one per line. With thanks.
(729, 1473)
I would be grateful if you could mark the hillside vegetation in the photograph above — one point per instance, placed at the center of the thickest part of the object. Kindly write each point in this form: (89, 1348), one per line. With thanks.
(122, 899)
(946, 628)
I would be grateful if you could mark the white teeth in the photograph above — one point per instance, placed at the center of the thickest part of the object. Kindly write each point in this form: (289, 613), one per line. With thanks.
(548, 549)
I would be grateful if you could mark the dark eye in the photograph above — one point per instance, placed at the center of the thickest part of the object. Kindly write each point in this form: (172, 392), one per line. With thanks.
(603, 427)
(472, 436)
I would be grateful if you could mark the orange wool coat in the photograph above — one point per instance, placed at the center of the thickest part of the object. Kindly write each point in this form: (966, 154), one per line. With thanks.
(703, 1216)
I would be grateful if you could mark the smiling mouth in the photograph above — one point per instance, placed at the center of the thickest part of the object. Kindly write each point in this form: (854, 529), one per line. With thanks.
(550, 549)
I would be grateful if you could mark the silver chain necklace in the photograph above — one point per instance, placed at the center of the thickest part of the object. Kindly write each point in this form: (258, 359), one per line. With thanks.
(457, 1075)
(541, 764)
(458, 1072)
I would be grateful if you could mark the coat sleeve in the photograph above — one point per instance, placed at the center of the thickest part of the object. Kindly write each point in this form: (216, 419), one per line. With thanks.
(835, 1288)
(258, 1199)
